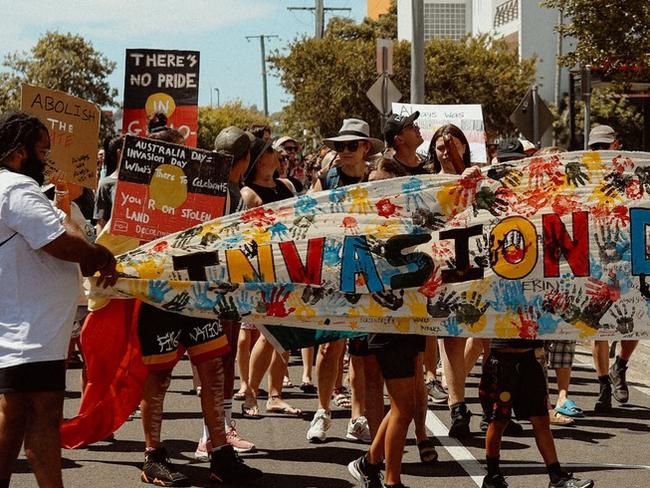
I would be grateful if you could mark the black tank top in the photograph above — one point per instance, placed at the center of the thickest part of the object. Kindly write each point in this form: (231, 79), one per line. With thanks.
(269, 195)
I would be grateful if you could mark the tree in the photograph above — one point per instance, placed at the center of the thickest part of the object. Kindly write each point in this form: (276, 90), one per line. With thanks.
(213, 120)
(328, 78)
(611, 35)
(65, 62)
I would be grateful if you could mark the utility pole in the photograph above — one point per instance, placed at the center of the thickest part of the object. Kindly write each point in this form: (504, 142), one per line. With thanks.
(417, 52)
(261, 37)
(319, 11)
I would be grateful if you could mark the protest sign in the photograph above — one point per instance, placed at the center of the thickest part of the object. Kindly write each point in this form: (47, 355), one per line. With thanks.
(161, 81)
(469, 118)
(73, 125)
(554, 247)
(164, 187)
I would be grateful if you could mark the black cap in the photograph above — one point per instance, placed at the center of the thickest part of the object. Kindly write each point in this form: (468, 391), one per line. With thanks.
(396, 124)
(258, 148)
(510, 149)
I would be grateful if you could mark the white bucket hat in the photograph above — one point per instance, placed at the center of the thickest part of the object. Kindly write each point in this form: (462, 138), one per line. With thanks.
(355, 130)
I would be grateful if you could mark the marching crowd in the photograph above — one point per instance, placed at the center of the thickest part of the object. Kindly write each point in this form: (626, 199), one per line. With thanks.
(45, 230)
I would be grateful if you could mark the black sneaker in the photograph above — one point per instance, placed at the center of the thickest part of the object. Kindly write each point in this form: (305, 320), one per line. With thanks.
(494, 481)
(568, 481)
(227, 467)
(617, 377)
(460, 421)
(368, 475)
(604, 402)
(159, 471)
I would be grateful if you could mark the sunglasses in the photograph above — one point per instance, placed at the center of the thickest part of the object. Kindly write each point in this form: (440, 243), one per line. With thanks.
(350, 145)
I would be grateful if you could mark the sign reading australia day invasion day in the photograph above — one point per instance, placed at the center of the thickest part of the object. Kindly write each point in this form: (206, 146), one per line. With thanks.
(469, 118)
(73, 126)
(161, 81)
(164, 188)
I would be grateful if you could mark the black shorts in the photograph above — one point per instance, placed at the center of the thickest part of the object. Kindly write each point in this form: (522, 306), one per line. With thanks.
(358, 346)
(165, 336)
(397, 356)
(513, 381)
(33, 377)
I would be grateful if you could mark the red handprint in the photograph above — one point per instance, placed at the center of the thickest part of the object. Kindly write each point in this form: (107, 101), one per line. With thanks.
(259, 216)
(275, 302)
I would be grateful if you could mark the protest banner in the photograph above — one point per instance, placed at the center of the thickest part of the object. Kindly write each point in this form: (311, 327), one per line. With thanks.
(469, 118)
(73, 125)
(161, 81)
(164, 187)
(554, 247)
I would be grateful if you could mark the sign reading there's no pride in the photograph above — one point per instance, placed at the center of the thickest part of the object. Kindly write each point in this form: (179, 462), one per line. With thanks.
(164, 188)
(73, 126)
(165, 81)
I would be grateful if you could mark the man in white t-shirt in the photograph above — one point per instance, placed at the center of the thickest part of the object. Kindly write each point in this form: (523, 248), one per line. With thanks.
(39, 252)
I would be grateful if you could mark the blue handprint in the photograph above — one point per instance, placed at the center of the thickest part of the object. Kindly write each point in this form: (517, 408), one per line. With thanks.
(547, 324)
(451, 324)
(279, 231)
(245, 302)
(305, 205)
(216, 274)
(508, 295)
(201, 300)
(414, 199)
(332, 252)
(336, 198)
(157, 290)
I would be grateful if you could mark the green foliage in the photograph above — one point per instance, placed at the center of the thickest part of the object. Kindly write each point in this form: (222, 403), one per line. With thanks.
(213, 120)
(65, 62)
(328, 78)
(606, 108)
(609, 33)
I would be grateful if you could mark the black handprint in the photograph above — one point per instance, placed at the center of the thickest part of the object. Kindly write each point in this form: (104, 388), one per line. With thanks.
(488, 200)
(471, 308)
(574, 174)
(182, 239)
(482, 253)
(610, 246)
(624, 318)
(507, 174)
(423, 217)
(389, 300)
(312, 295)
(444, 305)
(178, 303)
(643, 174)
(226, 308)
(250, 249)
(301, 226)
(618, 182)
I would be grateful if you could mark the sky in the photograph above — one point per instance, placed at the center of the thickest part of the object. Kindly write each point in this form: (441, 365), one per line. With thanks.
(216, 28)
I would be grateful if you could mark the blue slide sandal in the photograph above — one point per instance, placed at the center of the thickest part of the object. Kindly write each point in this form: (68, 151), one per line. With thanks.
(570, 409)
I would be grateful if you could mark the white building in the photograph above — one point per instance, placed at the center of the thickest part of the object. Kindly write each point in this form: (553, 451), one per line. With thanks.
(526, 26)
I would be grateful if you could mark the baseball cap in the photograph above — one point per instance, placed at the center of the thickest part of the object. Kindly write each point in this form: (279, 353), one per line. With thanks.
(396, 124)
(602, 134)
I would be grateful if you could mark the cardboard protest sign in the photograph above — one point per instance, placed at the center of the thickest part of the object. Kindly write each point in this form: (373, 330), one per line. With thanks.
(469, 118)
(73, 125)
(161, 81)
(555, 247)
(163, 188)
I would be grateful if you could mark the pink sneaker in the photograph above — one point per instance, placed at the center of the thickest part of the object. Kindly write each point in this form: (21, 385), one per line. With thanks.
(203, 450)
(237, 443)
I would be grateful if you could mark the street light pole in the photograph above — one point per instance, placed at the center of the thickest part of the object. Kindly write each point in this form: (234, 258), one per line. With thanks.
(263, 51)
(218, 96)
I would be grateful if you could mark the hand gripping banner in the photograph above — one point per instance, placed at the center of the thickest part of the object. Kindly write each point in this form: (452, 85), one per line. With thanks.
(554, 247)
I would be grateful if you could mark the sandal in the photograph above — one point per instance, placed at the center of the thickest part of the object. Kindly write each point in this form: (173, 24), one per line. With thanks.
(570, 409)
(249, 409)
(308, 388)
(342, 398)
(557, 418)
(240, 395)
(428, 454)
(283, 407)
(287, 383)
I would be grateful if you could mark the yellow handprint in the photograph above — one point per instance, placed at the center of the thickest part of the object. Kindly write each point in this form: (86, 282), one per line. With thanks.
(302, 311)
(360, 203)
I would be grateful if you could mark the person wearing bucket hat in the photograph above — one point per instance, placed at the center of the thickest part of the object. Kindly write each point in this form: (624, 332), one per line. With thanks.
(237, 143)
(353, 145)
(264, 186)
(510, 150)
(603, 138)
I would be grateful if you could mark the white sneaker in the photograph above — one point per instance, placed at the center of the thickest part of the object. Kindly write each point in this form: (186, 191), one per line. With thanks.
(319, 425)
(358, 430)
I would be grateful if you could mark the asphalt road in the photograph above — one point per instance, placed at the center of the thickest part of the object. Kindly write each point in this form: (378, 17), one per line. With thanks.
(614, 450)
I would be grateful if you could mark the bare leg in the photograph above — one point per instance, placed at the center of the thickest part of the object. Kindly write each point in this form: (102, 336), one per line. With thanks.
(358, 386)
(327, 370)
(563, 382)
(473, 349)
(13, 416)
(421, 402)
(544, 438)
(244, 346)
(42, 439)
(212, 395)
(260, 360)
(430, 359)
(151, 406)
(493, 438)
(600, 350)
(374, 393)
(627, 348)
(307, 354)
(454, 364)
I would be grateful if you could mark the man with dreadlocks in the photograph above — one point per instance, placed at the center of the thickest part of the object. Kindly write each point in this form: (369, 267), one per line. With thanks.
(39, 252)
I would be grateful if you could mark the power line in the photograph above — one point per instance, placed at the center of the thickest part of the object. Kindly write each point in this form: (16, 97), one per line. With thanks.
(262, 37)
(320, 9)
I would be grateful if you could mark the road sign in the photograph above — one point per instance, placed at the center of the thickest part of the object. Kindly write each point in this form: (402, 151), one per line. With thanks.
(383, 86)
(384, 56)
(524, 116)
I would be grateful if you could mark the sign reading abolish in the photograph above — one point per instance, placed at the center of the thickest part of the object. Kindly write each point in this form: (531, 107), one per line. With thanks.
(161, 81)
(73, 125)
(469, 118)
(555, 247)
(164, 187)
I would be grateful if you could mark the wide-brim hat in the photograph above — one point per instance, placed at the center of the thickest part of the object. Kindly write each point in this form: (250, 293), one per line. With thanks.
(355, 130)
(258, 148)
(234, 141)
(510, 148)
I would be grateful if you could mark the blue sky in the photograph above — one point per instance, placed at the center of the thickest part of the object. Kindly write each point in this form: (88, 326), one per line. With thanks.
(216, 28)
